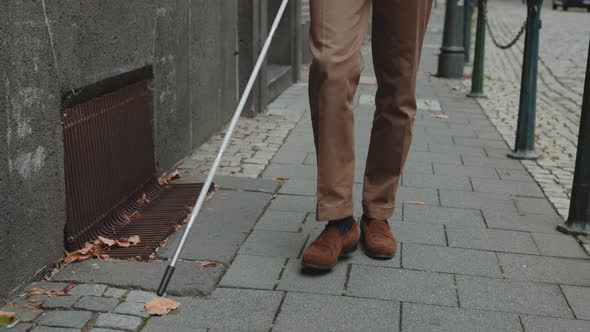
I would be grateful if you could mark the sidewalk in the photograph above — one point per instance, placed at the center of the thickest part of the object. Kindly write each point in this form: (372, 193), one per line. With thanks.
(478, 246)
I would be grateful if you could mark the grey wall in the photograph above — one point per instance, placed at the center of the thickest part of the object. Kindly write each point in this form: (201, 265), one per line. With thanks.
(190, 43)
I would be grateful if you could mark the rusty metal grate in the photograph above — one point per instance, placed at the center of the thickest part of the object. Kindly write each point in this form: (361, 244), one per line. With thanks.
(110, 166)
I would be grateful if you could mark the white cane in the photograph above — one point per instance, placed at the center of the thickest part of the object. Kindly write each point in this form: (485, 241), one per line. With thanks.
(197, 208)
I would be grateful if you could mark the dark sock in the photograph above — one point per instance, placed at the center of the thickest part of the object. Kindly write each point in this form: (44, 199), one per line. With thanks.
(343, 225)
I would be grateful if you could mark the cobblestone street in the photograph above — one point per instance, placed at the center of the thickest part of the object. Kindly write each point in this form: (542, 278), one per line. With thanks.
(563, 51)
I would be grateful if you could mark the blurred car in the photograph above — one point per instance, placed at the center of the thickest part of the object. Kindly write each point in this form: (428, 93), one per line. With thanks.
(565, 4)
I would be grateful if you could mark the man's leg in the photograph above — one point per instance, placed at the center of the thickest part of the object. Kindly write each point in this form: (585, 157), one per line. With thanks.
(337, 31)
(398, 32)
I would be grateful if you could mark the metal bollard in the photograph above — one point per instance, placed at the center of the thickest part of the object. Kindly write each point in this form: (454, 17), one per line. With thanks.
(480, 37)
(451, 60)
(578, 221)
(524, 147)
(468, 12)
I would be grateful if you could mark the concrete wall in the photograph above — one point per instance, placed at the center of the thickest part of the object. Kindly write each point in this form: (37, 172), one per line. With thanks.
(53, 46)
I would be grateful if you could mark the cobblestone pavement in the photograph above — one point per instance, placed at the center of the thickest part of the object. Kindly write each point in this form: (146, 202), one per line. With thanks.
(255, 140)
(478, 247)
(563, 52)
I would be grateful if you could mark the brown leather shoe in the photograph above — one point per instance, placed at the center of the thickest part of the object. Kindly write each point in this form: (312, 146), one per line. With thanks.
(378, 240)
(324, 251)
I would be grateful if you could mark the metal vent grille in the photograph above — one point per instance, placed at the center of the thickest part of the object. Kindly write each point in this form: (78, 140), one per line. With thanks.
(109, 167)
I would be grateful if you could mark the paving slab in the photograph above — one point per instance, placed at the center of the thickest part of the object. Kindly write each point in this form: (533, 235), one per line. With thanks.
(559, 245)
(512, 296)
(219, 231)
(311, 312)
(60, 302)
(359, 257)
(289, 157)
(476, 200)
(486, 162)
(528, 205)
(295, 278)
(408, 232)
(295, 203)
(88, 289)
(516, 188)
(48, 286)
(257, 272)
(436, 181)
(402, 285)
(421, 317)
(41, 328)
(491, 239)
(225, 310)
(578, 297)
(291, 171)
(72, 319)
(463, 150)
(512, 220)
(443, 215)
(248, 184)
(451, 260)
(189, 279)
(115, 292)
(546, 269)
(140, 296)
(96, 303)
(132, 308)
(116, 321)
(474, 171)
(285, 221)
(22, 312)
(438, 157)
(514, 175)
(540, 324)
(274, 244)
(299, 187)
(427, 195)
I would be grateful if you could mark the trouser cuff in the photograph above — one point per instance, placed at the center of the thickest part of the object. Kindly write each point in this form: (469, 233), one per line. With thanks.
(378, 212)
(336, 212)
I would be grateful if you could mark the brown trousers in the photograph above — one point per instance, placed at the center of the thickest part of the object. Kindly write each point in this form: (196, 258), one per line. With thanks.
(337, 31)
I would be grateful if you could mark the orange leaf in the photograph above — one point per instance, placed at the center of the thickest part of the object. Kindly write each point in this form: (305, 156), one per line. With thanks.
(282, 179)
(105, 241)
(167, 177)
(35, 291)
(143, 200)
(205, 264)
(440, 116)
(416, 202)
(160, 306)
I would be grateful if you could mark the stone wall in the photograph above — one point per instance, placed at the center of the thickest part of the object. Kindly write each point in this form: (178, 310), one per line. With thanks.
(51, 47)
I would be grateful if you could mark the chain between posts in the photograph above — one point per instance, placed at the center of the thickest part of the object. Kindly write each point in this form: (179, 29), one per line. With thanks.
(494, 40)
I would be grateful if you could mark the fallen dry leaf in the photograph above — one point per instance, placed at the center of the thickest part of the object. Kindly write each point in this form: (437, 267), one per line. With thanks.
(143, 200)
(440, 116)
(167, 177)
(160, 306)
(35, 291)
(205, 264)
(128, 241)
(282, 179)
(39, 291)
(107, 242)
(416, 202)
